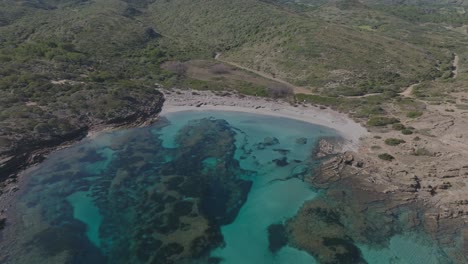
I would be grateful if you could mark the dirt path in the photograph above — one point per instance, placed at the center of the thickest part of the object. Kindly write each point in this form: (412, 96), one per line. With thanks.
(296, 89)
(456, 61)
(360, 96)
(409, 91)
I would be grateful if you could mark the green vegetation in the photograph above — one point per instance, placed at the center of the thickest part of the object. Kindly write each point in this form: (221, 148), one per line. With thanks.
(394, 141)
(433, 12)
(423, 152)
(407, 131)
(304, 50)
(414, 114)
(386, 156)
(398, 126)
(377, 121)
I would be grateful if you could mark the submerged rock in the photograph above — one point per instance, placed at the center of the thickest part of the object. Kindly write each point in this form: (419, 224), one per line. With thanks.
(270, 141)
(267, 142)
(195, 192)
(281, 162)
(299, 171)
(277, 237)
(301, 141)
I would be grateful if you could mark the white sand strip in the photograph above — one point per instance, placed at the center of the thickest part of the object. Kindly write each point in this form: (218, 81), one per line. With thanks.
(182, 100)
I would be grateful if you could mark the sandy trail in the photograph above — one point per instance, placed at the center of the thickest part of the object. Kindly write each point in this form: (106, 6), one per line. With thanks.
(456, 62)
(409, 91)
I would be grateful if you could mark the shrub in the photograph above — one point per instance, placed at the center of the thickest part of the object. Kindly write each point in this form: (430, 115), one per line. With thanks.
(414, 114)
(422, 152)
(398, 126)
(386, 156)
(394, 141)
(407, 131)
(382, 121)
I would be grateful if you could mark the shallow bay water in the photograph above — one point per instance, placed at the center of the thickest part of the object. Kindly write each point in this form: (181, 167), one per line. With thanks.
(198, 187)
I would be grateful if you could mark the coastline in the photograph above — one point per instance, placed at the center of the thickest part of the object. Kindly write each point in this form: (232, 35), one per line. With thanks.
(184, 100)
(401, 183)
(370, 178)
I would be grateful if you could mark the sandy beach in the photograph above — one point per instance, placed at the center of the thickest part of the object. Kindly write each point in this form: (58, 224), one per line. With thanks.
(184, 100)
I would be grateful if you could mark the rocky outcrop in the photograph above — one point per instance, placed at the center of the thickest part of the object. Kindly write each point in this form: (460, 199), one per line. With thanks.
(336, 166)
(328, 146)
(392, 188)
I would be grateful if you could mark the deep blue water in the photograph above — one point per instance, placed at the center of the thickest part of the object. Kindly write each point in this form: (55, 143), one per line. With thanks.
(199, 187)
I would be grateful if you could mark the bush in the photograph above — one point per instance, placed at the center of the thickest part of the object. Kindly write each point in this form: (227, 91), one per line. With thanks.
(386, 156)
(382, 121)
(422, 152)
(407, 131)
(414, 114)
(398, 126)
(394, 141)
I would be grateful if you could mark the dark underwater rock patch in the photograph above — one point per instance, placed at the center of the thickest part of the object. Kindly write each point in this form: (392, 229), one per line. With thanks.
(267, 142)
(283, 162)
(346, 251)
(177, 196)
(277, 237)
(282, 151)
(301, 141)
(92, 156)
(153, 210)
(69, 237)
(183, 208)
(318, 229)
(2, 223)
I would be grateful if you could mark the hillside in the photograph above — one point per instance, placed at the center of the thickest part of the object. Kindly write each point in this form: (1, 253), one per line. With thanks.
(304, 50)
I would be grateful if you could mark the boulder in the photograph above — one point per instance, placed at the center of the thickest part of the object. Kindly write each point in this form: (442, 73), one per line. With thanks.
(301, 141)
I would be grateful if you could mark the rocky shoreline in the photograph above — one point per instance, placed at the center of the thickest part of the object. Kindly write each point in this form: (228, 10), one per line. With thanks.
(27, 153)
(354, 184)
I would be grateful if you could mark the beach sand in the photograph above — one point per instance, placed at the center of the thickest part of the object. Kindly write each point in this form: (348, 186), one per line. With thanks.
(186, 100)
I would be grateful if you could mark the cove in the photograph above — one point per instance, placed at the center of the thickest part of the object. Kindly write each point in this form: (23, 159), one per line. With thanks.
(196, 187)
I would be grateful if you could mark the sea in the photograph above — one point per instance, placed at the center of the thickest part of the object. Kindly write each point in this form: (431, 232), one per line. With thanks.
(195, 187)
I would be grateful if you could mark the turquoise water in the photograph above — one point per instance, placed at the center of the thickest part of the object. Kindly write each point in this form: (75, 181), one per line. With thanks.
(199, 187)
